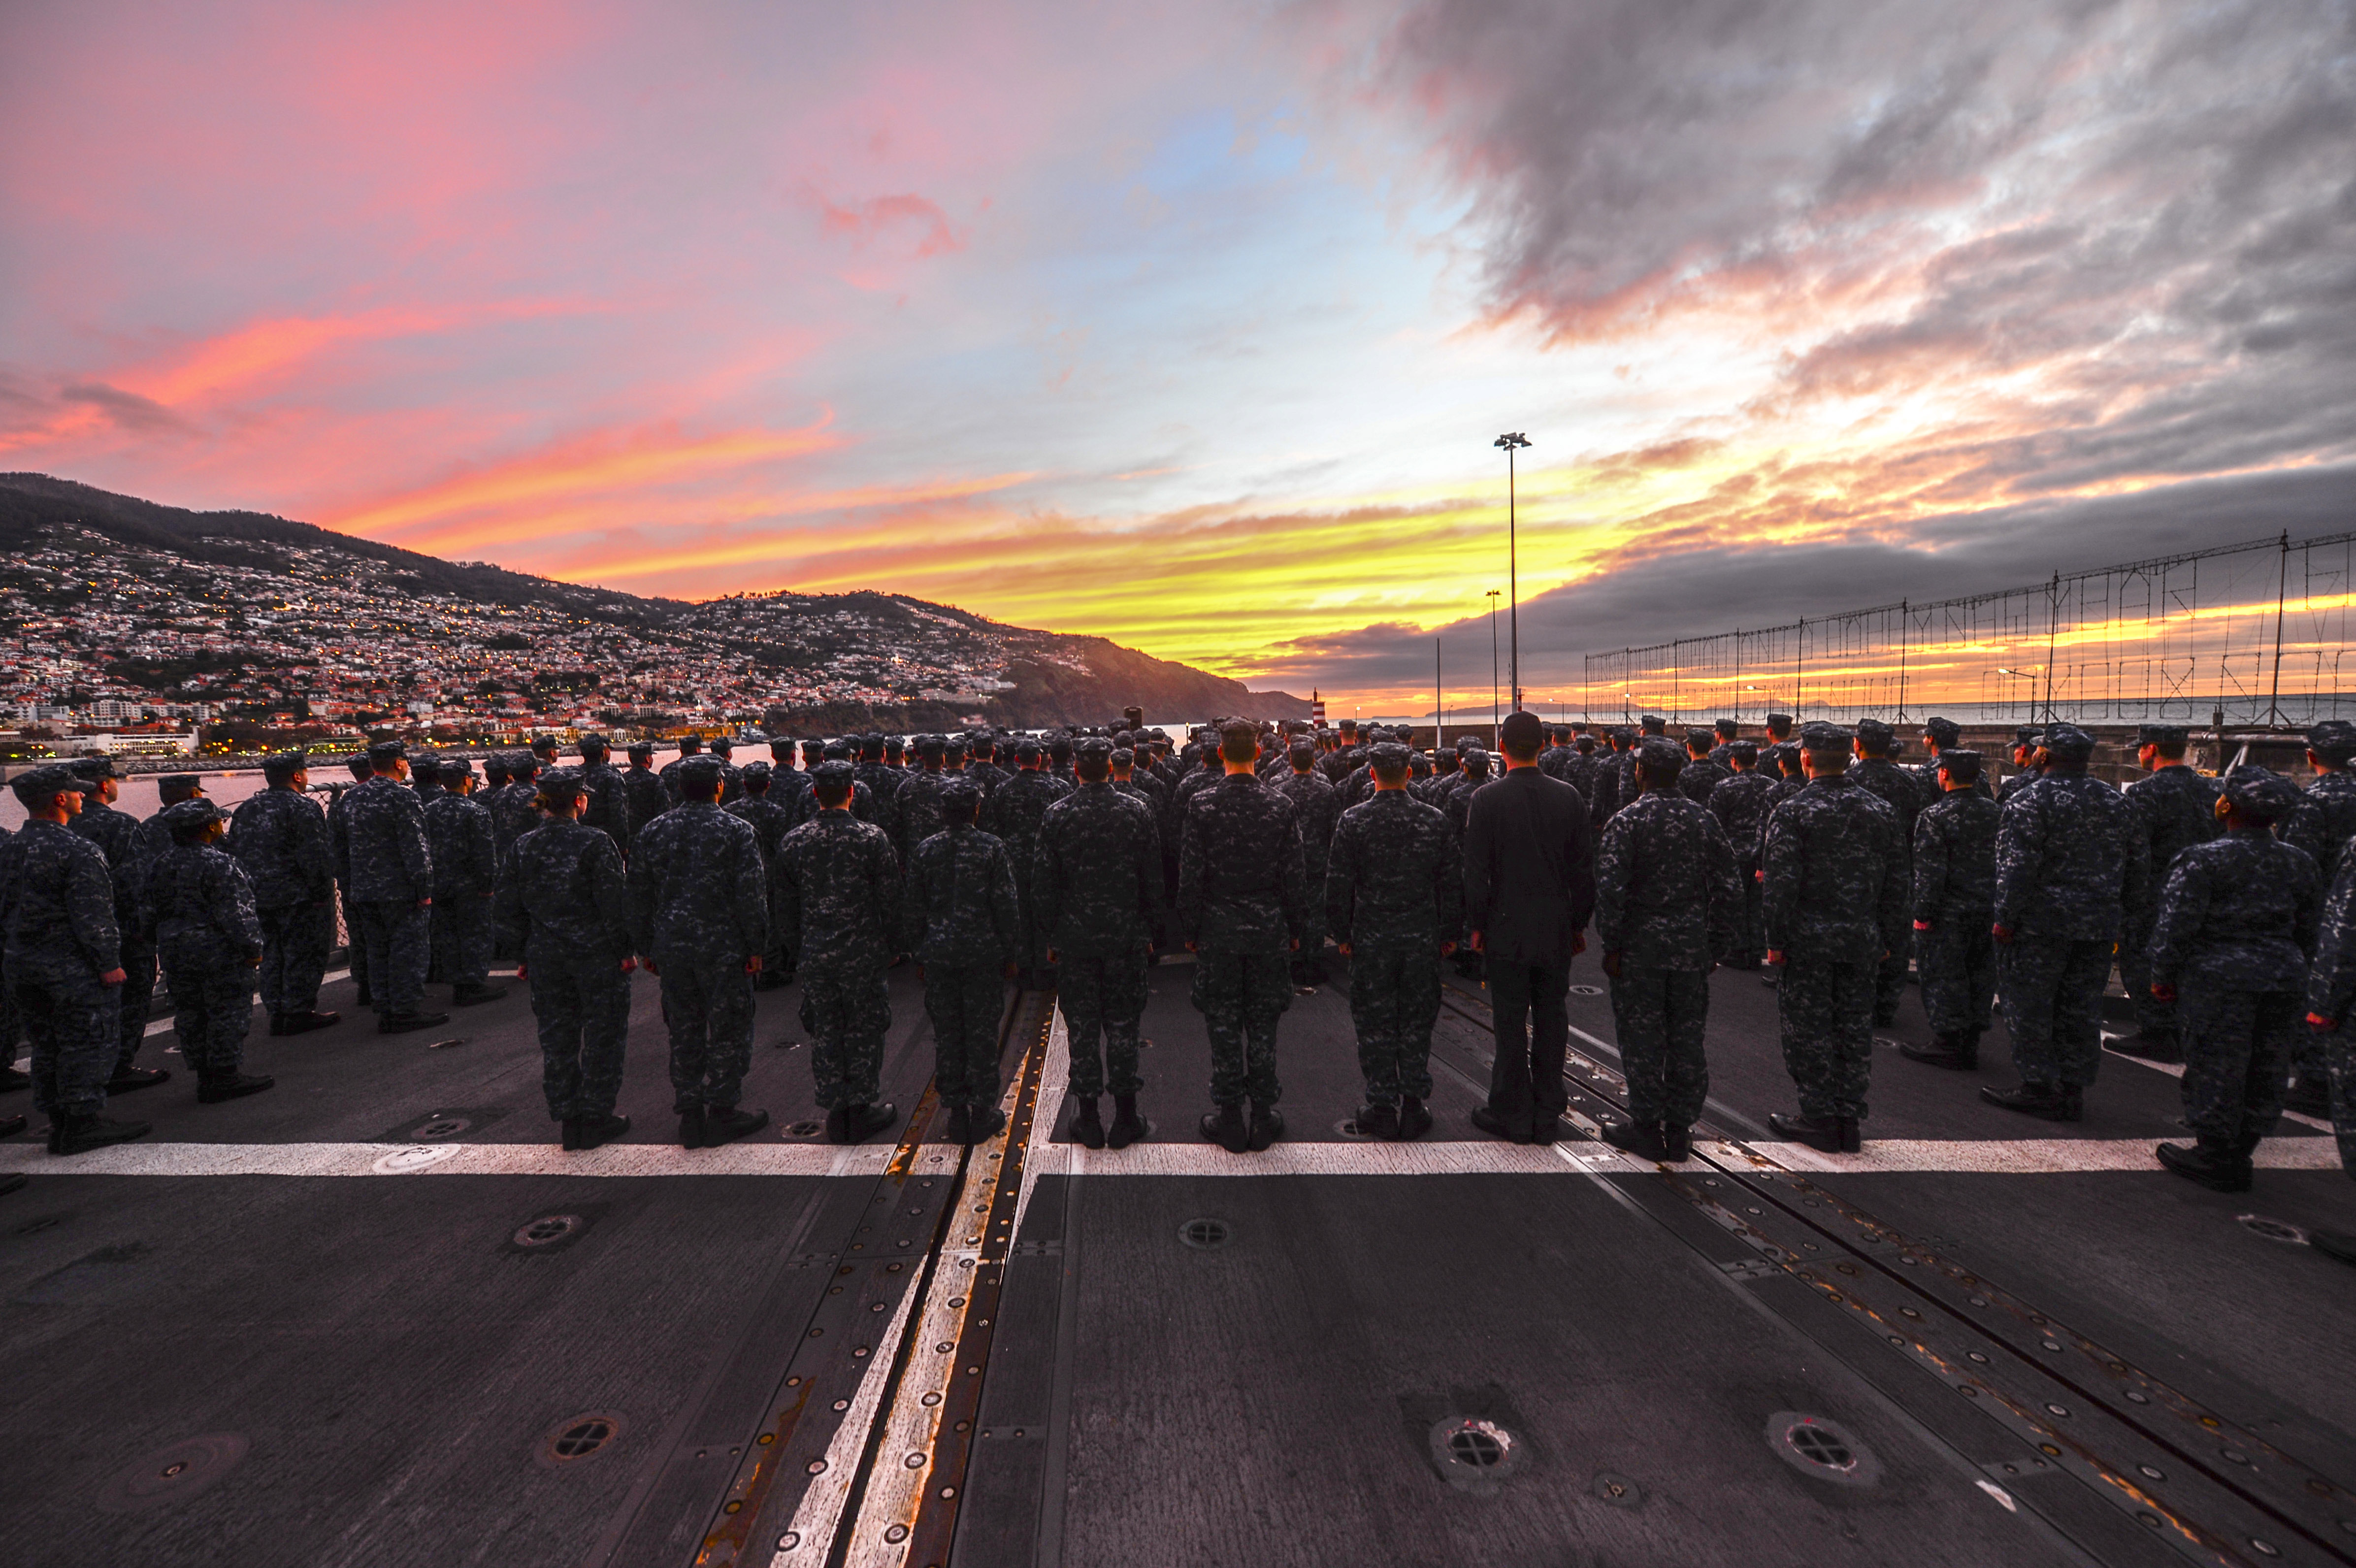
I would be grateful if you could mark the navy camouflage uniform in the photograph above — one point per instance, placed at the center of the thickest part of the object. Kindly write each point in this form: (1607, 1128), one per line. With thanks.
(1394, 891)
(1243, 902)
(1013, 812)
(1899, 789)
(58, 923)
(1666, 903)
(2331, 997)
(116, 833)
(280, 837)
(963, 920)
(1319, 808)
(699, 909)
(198, 909)
(2323, 824)
(2175, 808)
(564, 904)
(1095, 878)
(1955, 900)
(466, 876)
(385, 862)
(647, 798)
(1836, 900)
(838, 890)
(1741, 804)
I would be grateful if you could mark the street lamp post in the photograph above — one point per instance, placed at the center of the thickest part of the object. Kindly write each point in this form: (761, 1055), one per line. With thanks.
(1494, 717)
(1512, 441)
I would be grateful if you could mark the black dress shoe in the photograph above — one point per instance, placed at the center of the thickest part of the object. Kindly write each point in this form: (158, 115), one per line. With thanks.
(1087, 1127)
(2336, 1244)
(2042, 1100)
(601, 1128)
(1946, 1051)
(863, 1122)
(1489, 1122)
(1414, 1118)
(1817, 1132)
(2151, 1044)
(237, 1086)
(2213, 1165)
(1378, 1122)
(690, 1128)
(304, 1023)
(1851, 1139)
(838, 1124)
(1677, 1142)
(1128, 1126)
(986, 1123)
(958, 1128)
(277, 1024)
(2310, 1095)
(572, 1125)
(1266, 1126)
(129, 1079)
(1226, 1126)
(408, 1022)
(11, 1081)
(1545, 1129)
(474, 996)
(79, 1135)
(1642, 1139)
(723, 1124)
(11, 1126)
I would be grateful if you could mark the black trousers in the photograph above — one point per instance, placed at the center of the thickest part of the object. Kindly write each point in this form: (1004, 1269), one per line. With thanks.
(1530, 1005)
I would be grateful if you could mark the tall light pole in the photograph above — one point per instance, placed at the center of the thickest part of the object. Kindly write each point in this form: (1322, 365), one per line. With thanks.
(1495, 719)
(1512, 441)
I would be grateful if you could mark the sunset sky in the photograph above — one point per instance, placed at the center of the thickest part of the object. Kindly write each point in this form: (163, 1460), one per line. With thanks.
(1192, 325)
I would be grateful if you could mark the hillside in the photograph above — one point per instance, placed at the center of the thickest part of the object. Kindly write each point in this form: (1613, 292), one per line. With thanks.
(108, 599)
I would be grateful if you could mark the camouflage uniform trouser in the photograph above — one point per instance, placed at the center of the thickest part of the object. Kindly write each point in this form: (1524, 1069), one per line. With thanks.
(1529, 1013)
(212, 1006)
(2053, 1006)
(131, 1002)
(396, 934)
(1890, 982)
(847, 1008)
(1957, 960)
(965, 1003)
(461, 931)
(581, 1000)
(1034, 956)
(2341, 1051)
(1102, 996)
(707, 1004)
(1241, 995)
(356, 950)
(1660, 1015)
(1826, 1011)
(2134, 974)
(1313, 927)
(1750, 925)
(1393, 1002)
(72, 1020)
(295, 943)
(2236, 1053)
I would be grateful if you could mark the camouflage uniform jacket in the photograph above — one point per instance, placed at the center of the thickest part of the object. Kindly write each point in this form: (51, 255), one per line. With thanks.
(1954, 859)
(667, 774)
(380, 848)
(1666, 896)
(696, 885)
(839, 891)
(920, 806)
(2331, 984)
(1319, 806)
(195, 893)
(116, 833)
(466, 852)
(804, 806)
(1579, 774)
(513, 813)
(884, 782)
(771, 822)
(1698, 779)
(280, 837)
(1741, 804)
(56, 903)
(1897, 787)
(2325, 820)
(2069, 859)
(1015, 812)
(1555, 762)
(1097, 874)
(960, 906)
(1625, 785)
(1836, 874)
(1243, 886)
(2178, 808)
(649, 799)
(2239, 913)
(985, 776)
(1394, 876)
(565, 880)
(606, 803)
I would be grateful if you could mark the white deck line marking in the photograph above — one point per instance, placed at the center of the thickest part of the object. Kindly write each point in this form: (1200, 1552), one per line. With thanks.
(153, 1159)
(1055, 1081)
(819, 1513)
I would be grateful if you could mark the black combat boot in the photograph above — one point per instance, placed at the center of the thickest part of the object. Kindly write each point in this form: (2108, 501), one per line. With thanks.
(838, 1124)
(987, 1122)
(1851, 1139)
(1817, 1132)
(2046, 1101)
(1226, 1127)
(722, 1124)
(2214, 1163)
(1415, 1118)
(1128, 1126)
(571, 1130)
(863, 1122)
(1677, 1142)
(600, 1127)
(1958, 1051)
(957, 1130)
(690, 1128)
(233, 1086)
(127, 1079)
(474, 996)
(80, 1134)
(1642, 1139)
(304, 1023)
(11, 1126)
(408, 1022)
(13, 1083)
(1379, 1122)
(2310, 1095)
(1088, 1130)
(2151, 1044)
(1266, 1126)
